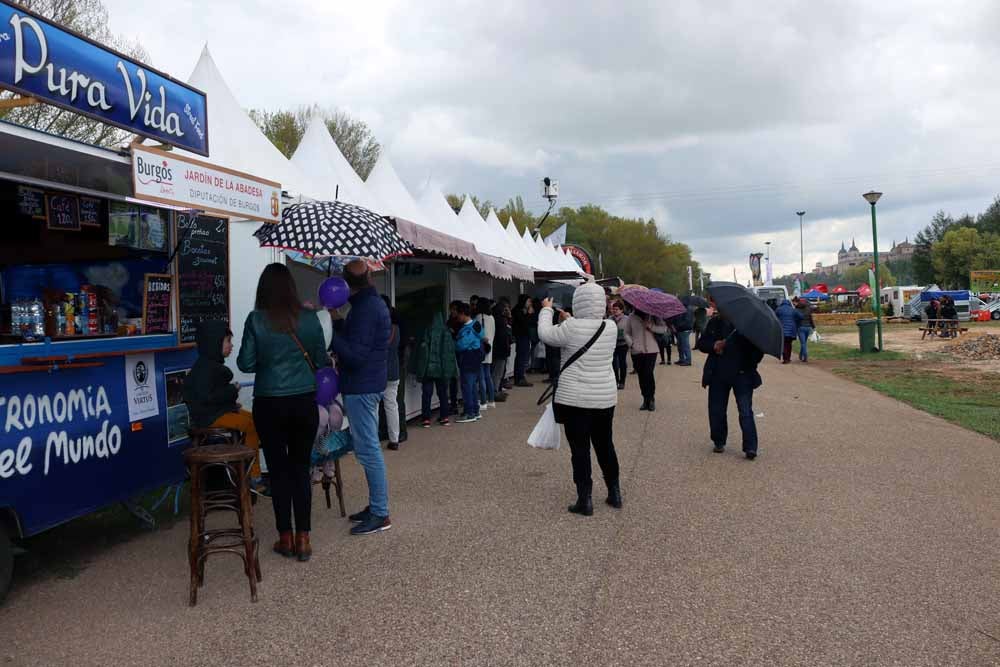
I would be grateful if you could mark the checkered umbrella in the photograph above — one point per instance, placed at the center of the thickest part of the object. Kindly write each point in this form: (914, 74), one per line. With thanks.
(334, 229)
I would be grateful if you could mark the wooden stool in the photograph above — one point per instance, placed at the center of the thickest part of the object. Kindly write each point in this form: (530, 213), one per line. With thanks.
(235, 459)
(337, 482)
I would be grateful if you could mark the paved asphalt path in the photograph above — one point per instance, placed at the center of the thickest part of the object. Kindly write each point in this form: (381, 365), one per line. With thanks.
(866, 533)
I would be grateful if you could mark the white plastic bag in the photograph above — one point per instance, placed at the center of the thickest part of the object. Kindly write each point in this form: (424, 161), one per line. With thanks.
(546, 434)
(815, 337)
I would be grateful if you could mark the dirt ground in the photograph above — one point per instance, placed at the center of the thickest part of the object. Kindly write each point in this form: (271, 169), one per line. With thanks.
(906, 338)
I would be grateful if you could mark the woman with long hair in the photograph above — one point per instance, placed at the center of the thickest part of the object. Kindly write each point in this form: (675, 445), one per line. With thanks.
(586, 394)
(283, 345)
(640, 332)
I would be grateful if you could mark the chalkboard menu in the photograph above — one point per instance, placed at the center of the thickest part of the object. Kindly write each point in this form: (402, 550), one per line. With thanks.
(202, 271)
(31, 202)
(157, 293)
(63, 212)
(90, 212)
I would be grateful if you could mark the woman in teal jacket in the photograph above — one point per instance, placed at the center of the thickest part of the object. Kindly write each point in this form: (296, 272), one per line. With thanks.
(280, 338)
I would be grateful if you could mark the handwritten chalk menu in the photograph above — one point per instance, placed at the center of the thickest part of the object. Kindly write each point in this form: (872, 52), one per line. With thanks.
(63, 212)
(202, 271)
(90, 212)
(157, 294)
(31, 202)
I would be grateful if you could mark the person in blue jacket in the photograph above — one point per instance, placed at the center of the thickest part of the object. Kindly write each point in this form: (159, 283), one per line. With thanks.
(469, 350)
(790, 320)
(361, 344)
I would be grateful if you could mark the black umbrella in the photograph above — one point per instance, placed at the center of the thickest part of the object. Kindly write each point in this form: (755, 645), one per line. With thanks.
(334, 229)
(694, 301)
(750, 315)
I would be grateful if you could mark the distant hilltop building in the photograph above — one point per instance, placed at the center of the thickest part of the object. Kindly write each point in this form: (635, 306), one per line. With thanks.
(848, 257)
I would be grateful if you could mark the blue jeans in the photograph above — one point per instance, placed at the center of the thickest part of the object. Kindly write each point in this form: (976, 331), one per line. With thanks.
(487, 392)
(683, 347)
(804, 333)
(362, 411)
(470, 392)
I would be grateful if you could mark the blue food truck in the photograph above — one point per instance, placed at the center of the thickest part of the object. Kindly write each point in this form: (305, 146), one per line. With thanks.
(98, 301)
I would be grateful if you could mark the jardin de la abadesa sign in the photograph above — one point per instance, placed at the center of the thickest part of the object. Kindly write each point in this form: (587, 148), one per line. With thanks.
(57, 66)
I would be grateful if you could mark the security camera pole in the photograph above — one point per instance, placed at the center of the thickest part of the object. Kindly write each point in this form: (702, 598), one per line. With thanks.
(550, 191)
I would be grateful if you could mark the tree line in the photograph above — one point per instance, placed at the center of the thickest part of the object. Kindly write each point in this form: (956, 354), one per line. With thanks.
(633, 249)
(948, 247)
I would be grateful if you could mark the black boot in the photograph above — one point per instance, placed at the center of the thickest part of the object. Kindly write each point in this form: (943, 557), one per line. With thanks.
(614, 494)
(645, 404)
(651, 405)
(584, 505)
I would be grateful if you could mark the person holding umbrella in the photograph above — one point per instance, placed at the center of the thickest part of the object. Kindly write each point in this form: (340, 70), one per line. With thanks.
(735, 340)
(641, 331)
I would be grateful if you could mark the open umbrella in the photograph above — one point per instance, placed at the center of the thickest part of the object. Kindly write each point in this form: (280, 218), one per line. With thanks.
(657, 304)
(750, 315)
(334, 229)
(694, 301)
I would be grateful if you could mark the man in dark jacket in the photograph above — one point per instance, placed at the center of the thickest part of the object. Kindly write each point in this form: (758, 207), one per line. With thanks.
(790, 320)
(682, 325)
(731, 366)
(806, 326)
(361, 345)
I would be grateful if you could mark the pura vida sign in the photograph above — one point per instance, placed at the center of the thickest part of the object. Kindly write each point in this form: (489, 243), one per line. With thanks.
(60, 67)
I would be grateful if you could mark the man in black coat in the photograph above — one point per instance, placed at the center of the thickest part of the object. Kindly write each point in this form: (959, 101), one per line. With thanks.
(731, 366)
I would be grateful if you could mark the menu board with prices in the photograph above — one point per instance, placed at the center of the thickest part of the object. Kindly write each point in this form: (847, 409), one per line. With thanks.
(157, 295)
(202, 271)
(90, 212)
(31, 202)
(63, 212)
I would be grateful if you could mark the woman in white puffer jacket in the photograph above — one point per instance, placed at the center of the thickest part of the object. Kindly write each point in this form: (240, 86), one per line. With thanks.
(587, 392)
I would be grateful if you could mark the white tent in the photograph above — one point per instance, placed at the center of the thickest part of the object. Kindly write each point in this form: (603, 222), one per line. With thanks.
(319, 158)
(237, 143)
(429, 232)
(473, 226)
(436, 207)
(515, 256)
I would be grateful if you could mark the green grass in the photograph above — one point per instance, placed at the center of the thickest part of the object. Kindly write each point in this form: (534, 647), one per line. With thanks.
(972, 402)
(828, 351)
(963, 396)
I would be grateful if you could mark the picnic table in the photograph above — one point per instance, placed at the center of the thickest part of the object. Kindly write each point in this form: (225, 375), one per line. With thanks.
(943, 329)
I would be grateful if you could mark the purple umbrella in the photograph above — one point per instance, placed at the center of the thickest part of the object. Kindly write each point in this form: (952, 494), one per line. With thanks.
(657, 304)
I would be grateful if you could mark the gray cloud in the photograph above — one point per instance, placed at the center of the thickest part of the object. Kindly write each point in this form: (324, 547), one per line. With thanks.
(717, 119)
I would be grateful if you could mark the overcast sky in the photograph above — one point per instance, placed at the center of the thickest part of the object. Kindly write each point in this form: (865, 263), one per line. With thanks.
(718, 119)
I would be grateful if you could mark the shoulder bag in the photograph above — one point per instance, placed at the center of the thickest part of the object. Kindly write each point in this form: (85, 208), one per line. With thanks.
(551, 389)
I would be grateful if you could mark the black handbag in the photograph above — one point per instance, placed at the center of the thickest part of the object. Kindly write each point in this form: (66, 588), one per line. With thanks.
(551, 389)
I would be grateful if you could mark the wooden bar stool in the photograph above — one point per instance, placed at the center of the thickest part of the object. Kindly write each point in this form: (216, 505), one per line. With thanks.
(235, 460)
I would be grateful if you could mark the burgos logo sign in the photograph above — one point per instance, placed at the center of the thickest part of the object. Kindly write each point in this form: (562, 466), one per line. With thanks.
(152, 172)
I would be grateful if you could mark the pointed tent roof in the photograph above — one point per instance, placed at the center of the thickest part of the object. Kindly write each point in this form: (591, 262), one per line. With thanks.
(527, 254)
(235, 140)
(515, 257)
(319, 157)
(425, 231)
(474, 227)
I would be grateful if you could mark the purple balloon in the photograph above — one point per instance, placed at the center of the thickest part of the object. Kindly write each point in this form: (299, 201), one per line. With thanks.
(334, 292)
(327, 385)
(336, 420)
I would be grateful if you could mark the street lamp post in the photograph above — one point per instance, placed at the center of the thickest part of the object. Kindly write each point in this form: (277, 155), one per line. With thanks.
(802, 252)
(872, 198)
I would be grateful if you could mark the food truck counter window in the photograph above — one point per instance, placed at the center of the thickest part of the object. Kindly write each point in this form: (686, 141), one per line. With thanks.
(74, 267)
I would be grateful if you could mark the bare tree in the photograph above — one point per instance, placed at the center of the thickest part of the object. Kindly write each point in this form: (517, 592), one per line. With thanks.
(89, 18)
(353, 137)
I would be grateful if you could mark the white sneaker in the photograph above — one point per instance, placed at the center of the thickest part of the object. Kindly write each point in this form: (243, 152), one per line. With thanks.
(492, 404)
(483, 406)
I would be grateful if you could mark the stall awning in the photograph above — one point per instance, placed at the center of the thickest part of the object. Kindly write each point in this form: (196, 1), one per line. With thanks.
(431, 240)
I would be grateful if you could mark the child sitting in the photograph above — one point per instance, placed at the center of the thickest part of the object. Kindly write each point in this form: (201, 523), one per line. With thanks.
(209, 390)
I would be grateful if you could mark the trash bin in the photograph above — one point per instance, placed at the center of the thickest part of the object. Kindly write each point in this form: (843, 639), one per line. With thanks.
(866, 335)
